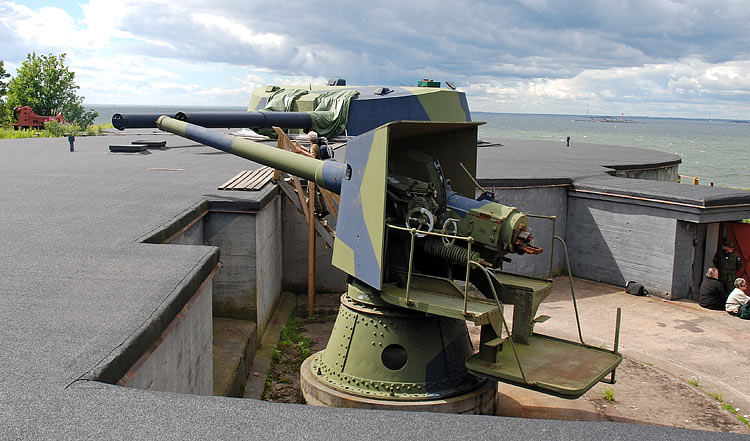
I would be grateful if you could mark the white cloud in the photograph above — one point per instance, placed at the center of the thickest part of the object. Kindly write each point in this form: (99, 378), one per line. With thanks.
(635, 90)
(527, 55)
(217, 24)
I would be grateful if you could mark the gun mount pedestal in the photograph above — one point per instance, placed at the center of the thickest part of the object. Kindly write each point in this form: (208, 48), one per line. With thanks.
(385, 357)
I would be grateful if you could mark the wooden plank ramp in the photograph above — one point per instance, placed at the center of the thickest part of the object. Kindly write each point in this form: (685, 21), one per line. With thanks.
(322, 228)
(253, 180)
(249, 180)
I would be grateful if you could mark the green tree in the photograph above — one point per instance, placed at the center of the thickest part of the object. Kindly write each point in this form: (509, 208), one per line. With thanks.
(48, 86)
(3, 91)
(3, 84)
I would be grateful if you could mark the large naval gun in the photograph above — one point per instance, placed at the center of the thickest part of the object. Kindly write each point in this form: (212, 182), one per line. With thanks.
(413, 239)
(331, 110)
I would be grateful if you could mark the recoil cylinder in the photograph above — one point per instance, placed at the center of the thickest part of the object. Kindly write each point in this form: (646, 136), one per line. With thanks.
(452, 253)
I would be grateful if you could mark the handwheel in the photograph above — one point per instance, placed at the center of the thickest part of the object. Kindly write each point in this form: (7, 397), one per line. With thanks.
(421, 219)
(450, 226)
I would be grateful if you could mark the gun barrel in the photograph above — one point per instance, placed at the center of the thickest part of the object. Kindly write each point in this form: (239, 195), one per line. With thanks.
(254, 120)
(223, 120)
(327, 174)
(123, 121)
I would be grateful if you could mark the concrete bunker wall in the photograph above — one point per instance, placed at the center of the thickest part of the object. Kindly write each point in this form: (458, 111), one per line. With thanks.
(172, 350)
(616, 242)
(248, 285)
(259, 256)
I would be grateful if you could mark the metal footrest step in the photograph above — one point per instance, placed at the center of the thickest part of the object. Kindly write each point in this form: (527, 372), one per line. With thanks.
(554, 366)
(438, 296)
(526, 294)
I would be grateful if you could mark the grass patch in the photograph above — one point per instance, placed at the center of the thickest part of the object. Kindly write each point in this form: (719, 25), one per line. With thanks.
(6, 133)
(694, 381)
(608, 394)
(291, 336)
(293, 348)
(726, 406)
(98, 129)
(54, 130)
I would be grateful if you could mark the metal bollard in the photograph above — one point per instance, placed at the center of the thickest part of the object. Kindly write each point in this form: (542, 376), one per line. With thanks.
(71, 140)
(567, 142)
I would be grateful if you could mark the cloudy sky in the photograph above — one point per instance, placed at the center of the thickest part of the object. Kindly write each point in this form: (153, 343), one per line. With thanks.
(683, 58)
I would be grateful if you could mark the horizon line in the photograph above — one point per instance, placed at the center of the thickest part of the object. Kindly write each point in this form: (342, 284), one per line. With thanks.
(589, 116)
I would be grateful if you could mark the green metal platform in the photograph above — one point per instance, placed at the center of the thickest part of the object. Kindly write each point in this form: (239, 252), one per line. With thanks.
(551, 365)
(559, 367)
(438, 296)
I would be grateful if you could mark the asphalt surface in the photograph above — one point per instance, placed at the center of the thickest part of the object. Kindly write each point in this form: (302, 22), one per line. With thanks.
(78, 289)
(521, 162)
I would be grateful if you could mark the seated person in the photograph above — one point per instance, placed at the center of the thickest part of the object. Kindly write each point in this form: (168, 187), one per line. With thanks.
(712, 291)
(321, 209)
(737, 302)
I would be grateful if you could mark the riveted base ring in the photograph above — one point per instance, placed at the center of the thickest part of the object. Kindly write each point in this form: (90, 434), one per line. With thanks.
(480, 401)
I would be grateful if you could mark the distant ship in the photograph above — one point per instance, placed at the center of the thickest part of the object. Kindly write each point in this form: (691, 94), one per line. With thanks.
(606, 119)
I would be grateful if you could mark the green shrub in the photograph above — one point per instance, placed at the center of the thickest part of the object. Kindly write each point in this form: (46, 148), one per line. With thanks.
(54, 129)
(64, 129)
(608, 394)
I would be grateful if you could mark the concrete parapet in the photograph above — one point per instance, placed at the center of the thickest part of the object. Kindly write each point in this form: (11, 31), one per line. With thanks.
(181, 360)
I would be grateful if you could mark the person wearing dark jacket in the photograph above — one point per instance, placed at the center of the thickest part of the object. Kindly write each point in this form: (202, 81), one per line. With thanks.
(713, 295)
(728, 263)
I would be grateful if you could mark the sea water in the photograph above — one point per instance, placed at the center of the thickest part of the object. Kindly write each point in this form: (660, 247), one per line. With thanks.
(716, 151)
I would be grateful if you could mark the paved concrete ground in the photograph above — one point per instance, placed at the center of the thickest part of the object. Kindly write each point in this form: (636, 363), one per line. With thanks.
(675, 354)
(77, 286)
(678, 337)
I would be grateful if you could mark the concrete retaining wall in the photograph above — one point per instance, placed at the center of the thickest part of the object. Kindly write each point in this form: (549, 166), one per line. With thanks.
(235, 283)
(248, 285)
(268, 263)
(182, 361)
(667, 174)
